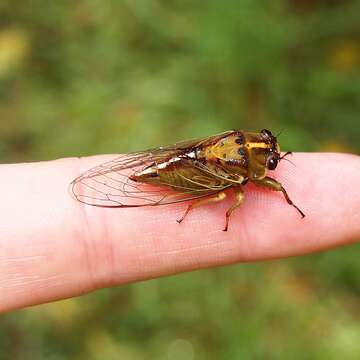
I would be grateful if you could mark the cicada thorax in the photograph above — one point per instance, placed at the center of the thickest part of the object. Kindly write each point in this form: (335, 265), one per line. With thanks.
(229, 155)
(243, 153)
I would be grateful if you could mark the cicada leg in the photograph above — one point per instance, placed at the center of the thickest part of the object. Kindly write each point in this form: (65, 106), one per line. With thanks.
(220, 196)
(239, 198)
(272, 184)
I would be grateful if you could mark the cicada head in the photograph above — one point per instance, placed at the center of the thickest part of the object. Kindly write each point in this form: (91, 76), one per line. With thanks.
(264, 153)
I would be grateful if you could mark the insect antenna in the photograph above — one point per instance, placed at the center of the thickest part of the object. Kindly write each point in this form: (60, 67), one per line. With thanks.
(286, 154)
(284, 158)
(281, 131)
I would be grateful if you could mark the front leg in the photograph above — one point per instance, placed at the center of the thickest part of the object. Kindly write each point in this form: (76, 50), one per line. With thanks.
(272, 184)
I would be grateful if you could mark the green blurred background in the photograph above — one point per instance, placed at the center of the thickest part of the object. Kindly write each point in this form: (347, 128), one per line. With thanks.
(85, 77)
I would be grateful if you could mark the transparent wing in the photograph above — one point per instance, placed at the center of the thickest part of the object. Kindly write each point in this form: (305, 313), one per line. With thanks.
(110, 185)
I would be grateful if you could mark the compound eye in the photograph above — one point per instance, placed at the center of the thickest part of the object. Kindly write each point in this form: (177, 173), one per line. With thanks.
(272, 163)
(266, 133)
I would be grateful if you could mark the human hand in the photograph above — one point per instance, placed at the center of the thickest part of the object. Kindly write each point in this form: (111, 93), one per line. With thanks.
(53, 247)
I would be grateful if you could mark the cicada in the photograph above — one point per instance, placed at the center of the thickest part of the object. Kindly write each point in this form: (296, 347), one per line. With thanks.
(200, 170)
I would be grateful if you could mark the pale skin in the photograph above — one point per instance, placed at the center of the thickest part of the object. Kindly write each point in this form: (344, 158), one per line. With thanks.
(52, 247)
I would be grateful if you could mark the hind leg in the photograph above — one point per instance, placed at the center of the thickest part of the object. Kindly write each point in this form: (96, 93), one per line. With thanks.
(220, 196)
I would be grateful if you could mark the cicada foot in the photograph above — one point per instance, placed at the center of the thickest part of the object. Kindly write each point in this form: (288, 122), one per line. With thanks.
(272, 184)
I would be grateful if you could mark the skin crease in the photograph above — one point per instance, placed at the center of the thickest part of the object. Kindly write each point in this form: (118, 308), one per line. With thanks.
(53, 247)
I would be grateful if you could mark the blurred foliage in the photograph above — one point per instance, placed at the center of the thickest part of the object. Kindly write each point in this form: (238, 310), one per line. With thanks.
(86, 77)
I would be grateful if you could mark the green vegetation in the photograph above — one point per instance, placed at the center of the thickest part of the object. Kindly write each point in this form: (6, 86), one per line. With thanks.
(85, 77)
